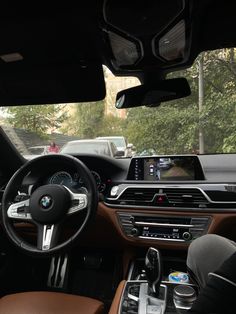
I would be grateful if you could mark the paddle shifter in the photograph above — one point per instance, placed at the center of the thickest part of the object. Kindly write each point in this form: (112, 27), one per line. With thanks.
(153, 269)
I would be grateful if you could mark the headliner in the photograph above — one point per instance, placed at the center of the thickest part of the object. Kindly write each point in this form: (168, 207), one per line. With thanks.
(71, 43)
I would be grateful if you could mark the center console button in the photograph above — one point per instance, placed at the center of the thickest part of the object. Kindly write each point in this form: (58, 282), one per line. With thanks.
(187, 236)
(134, 232)
(183, 297)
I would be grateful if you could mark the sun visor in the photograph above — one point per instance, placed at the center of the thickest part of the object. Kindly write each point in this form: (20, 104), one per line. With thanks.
(52, 84)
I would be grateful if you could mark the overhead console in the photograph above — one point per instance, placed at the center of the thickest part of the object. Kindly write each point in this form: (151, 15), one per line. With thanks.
(166, 168)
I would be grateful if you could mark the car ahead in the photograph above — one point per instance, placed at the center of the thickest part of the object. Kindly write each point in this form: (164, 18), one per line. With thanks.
(98, 147)
(38, 150)
(121, 144)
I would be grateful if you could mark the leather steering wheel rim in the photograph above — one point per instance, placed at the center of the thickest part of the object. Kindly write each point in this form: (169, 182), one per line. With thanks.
(16, 181)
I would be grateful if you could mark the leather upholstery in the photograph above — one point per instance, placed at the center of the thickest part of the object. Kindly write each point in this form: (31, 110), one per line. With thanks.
(116, 301)
(49, 303)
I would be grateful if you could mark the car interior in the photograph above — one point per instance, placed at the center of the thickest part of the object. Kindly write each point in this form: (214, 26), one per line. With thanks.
(87, 233)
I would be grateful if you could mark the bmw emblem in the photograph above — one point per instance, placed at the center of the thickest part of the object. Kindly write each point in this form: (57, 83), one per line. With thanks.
(46, 202)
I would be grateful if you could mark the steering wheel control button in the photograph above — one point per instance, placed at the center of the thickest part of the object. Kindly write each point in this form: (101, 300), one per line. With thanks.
(49, 203)
(19, 210)
(79, 202)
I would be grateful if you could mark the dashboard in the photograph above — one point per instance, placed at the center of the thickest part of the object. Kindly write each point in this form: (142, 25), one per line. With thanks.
(142, 207)
(163, 182)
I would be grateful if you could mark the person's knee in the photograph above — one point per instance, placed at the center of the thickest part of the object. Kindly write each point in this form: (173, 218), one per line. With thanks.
(203, 243)
(199, 245)
(211, 242)
(207, 253)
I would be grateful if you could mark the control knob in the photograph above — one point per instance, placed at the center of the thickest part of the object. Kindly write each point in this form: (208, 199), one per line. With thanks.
(134, 232)
(187, 236)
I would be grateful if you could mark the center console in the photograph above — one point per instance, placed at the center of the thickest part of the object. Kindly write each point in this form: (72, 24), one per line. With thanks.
(150, 294)
(137, 298)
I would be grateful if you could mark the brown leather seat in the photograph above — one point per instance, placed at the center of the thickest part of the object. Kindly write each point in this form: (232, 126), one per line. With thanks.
(49, 303)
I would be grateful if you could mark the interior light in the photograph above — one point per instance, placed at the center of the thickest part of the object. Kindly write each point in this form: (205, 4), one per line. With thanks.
(172, 44)
(11, 57)
(125, 51)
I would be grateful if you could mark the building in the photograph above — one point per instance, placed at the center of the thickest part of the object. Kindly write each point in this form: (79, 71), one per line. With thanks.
(113, 86)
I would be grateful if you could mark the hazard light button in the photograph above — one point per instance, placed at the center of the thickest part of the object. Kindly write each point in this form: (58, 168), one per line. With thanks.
(161, 199)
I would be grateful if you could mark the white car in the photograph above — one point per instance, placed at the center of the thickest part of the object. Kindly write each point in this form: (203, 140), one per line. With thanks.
(121, 144)
(97, 147)
(38, 150)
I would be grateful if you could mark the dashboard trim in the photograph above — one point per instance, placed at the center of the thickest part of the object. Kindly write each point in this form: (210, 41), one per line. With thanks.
(176, 187)
(176, 209)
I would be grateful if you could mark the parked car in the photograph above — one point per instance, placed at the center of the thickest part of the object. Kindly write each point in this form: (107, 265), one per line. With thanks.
(98, 147)
(121, 144)
(38, 150)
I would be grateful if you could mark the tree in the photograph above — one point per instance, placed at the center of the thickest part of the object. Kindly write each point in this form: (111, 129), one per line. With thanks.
(173, 126)
(37, 118)
(86, 120)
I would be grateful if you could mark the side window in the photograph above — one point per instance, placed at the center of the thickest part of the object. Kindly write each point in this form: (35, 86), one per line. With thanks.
(113, 148)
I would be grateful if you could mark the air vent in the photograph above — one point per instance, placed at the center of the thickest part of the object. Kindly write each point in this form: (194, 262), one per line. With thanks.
(181, 197)
(185, 196)
(138, 194)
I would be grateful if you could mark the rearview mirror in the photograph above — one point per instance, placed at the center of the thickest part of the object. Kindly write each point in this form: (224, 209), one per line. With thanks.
(153, 95)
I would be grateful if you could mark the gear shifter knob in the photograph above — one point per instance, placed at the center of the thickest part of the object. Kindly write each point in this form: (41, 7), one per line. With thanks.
(153, 268)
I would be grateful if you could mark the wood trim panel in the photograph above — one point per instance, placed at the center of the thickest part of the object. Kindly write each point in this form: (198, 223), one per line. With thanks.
(106, 231)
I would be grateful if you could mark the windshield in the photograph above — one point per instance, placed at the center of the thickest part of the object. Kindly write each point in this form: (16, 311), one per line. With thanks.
(204, 122)
(83, 147)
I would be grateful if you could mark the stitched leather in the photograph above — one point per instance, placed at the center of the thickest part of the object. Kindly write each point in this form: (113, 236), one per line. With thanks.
(49, 303)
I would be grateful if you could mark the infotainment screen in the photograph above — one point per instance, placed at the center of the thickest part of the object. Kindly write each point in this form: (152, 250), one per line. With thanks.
(166, 168)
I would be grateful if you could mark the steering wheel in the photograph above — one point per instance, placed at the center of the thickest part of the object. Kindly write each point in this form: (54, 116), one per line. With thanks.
(48, 206)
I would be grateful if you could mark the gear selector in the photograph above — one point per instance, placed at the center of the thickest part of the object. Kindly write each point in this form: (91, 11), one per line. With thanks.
(153, 269)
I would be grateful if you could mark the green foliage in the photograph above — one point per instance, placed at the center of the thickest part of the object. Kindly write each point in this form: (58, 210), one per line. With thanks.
(86, 120)
(36, 118)
(173, 127)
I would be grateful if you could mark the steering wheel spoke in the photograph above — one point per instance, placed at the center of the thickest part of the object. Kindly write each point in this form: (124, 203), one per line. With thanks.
(20, 211)
(79, 201)
(47, 236)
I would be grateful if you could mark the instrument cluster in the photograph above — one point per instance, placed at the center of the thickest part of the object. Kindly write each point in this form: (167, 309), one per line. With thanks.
(75, 180)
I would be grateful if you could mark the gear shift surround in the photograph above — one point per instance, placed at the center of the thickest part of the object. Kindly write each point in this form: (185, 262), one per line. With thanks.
(153, 269)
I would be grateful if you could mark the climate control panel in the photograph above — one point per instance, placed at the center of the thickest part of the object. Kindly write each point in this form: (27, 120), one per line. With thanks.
(166, 228)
